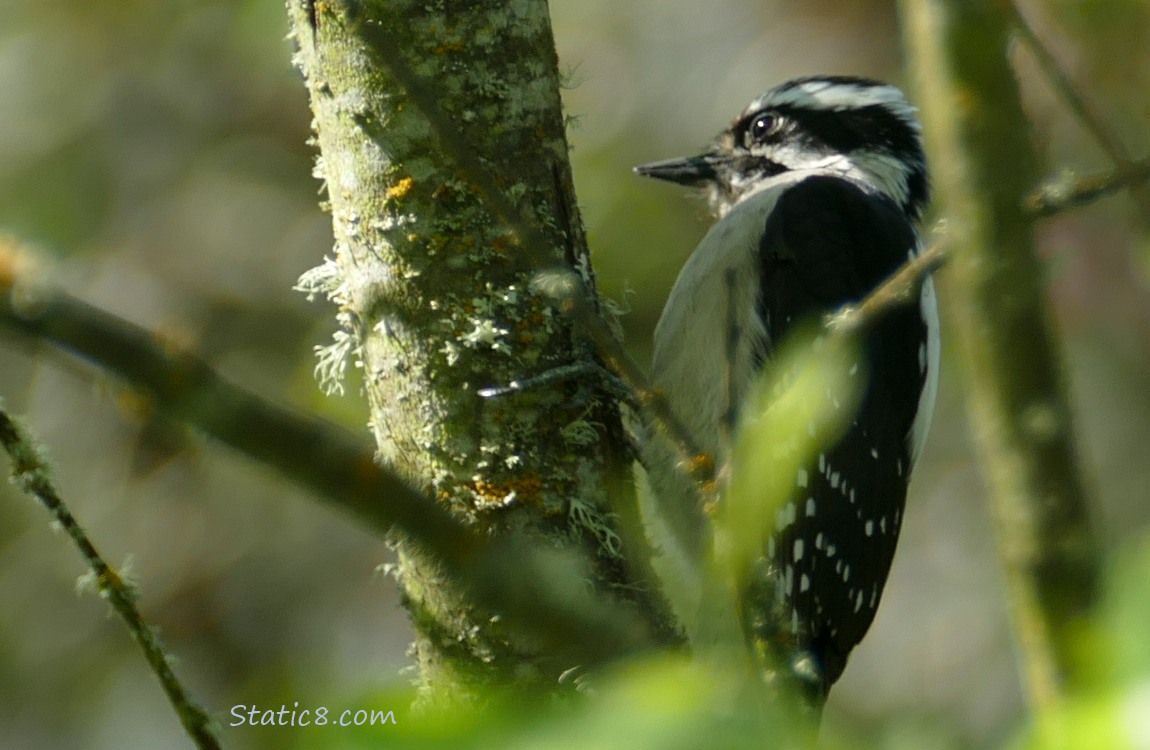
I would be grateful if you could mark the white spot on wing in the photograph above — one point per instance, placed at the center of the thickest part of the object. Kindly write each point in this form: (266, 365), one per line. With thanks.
(798, 550)
(810, 506)
(869, 528)
(804, 583)
(785, 517)
(801, 479)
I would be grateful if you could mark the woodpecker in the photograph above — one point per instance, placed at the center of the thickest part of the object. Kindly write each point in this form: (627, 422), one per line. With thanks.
(818, 187)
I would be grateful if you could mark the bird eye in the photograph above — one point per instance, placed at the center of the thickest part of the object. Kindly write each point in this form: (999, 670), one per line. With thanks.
(764, 125)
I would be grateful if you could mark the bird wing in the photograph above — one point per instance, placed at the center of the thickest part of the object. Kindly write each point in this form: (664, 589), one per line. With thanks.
(829, 242)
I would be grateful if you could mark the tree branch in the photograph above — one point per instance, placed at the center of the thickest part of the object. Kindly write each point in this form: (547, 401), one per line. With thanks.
(31, 473)
(1068, 190)
(900, 289)
(537, 593)
(1020, 413)
(1091, 120)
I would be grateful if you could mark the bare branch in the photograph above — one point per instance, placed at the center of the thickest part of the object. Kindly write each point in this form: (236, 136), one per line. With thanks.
(566, 290)
(1068, 190)
(31, 474)
(1053, 196)
(533, 591)
(1094, 123)
(900, 289)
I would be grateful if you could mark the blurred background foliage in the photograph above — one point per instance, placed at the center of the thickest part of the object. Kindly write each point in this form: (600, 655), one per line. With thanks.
(155, 151)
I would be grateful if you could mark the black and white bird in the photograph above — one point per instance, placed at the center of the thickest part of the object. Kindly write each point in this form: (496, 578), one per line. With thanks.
(819, 186)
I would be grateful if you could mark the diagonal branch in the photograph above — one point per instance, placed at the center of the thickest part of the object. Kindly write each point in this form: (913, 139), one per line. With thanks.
(32, 475)
(535, 592)
(900, 289)
(1082, 109)
(1071, 191)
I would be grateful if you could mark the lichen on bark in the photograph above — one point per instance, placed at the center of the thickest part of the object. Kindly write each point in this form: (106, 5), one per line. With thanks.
(435, 294)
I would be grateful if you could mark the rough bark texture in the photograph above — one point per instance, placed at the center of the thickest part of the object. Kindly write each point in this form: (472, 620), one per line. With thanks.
(984, 163)
(436, 294)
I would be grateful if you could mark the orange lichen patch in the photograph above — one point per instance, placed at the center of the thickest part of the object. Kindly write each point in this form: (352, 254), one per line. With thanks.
(711, 503)
(523, 489)
(502, 244)
(400, 189)
(534, 319)
(701, 466)
(455, 46)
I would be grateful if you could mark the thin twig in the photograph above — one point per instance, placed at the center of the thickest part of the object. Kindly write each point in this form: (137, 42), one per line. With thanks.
(901, 288)
(1091, 120)
(31, 474)
(507, 574)
(1071, 191)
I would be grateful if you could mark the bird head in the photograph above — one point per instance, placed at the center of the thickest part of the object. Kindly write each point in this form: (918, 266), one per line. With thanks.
(862, 129)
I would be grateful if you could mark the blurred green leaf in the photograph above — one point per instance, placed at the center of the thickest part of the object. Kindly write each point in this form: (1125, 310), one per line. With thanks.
(659, 704)
(800, 406)
(1114, 713)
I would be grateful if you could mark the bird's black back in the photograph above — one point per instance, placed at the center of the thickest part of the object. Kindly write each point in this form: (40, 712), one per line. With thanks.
(826, 243)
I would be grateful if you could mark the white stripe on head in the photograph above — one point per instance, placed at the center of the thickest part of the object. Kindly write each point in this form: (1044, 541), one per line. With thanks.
(834, 95)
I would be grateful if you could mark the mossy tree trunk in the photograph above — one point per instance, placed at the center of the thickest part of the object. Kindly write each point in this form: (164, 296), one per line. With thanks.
(984, 164)
(435, 289)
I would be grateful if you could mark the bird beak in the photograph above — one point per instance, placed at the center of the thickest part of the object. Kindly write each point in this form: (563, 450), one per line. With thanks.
(694, 171)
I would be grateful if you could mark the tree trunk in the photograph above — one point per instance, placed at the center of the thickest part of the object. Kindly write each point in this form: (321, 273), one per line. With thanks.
(984, 163)
(412, 100)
